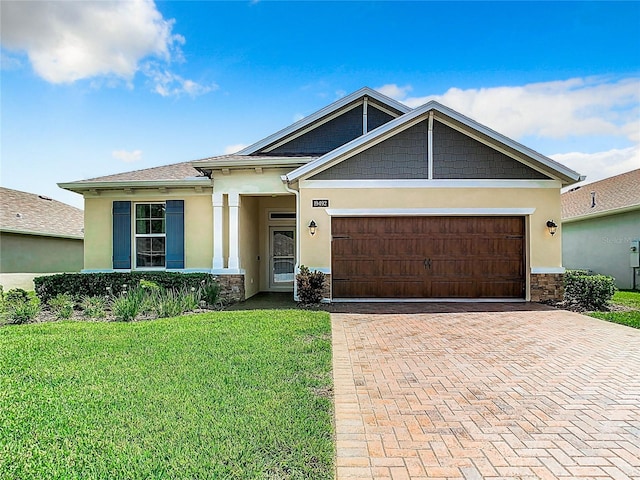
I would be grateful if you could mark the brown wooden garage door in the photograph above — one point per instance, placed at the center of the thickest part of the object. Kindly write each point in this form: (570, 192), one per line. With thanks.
(428, 257)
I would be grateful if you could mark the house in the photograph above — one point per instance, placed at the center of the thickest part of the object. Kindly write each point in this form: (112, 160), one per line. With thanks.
(37, 235)
(389, 202)
(601, 228)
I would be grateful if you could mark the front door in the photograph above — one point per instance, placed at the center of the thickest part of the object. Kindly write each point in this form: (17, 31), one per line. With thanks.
(282, 258)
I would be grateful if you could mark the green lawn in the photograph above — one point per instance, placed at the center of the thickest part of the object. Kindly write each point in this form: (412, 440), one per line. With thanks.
(219, 395)
(630, 318)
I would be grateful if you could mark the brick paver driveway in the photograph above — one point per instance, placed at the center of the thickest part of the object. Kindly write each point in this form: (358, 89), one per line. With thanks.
(467, 393)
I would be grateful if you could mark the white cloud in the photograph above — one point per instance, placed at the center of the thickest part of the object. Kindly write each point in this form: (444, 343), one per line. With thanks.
(127, 156)
(67, 41)
(574, 107)
(597, 166)
(229, 149)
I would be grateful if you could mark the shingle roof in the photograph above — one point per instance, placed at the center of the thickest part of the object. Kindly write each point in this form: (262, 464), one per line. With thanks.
(175, 171)
(610, 194)
(32, 213)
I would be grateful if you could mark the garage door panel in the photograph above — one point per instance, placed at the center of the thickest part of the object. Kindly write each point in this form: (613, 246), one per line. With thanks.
(438, 257)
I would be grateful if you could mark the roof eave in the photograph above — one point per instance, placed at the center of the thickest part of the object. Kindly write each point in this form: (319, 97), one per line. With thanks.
(604, 213)
(562, 173)
(41, 234)
(83, 186)
(272, 162)
(344, 101)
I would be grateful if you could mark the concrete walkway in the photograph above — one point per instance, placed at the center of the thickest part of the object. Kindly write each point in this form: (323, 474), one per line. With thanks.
(485, 392)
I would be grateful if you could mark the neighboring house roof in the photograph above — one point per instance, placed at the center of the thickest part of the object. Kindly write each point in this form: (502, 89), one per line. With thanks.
(606, 197)
(378, 98)
(176, 174)
(526, 155)
(29, 213)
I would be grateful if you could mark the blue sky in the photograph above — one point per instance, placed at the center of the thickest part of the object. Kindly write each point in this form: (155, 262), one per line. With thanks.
(94, 88)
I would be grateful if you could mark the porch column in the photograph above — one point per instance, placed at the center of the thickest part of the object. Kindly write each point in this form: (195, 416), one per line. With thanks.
(218, 259)
(234, 237)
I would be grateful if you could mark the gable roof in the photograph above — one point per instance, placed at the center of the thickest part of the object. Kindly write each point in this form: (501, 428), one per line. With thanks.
(452, 118)
(307, 122)
(176, 174)
(29, 213)
(605, 197)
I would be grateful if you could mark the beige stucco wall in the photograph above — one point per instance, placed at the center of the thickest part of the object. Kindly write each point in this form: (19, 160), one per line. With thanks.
(544, 251)
(249, 240)
(198, 221)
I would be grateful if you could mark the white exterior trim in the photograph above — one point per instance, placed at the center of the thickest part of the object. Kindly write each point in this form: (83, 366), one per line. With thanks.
(425, 212)
(218, 258)
(430, 147)
(383, 99)
(545, 164)
(539, 270)
(234, 231)
(425, 183)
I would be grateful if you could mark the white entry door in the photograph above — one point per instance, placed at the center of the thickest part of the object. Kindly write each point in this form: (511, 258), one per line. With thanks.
(282, 257)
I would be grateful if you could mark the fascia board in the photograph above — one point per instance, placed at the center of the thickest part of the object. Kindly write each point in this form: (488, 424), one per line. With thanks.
(322, 113)
(273, 162)
(605, 213)
(565, 174)
(83, 186)
(40, 234)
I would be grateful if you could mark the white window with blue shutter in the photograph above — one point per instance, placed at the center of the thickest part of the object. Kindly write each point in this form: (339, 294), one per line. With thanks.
(157, 239)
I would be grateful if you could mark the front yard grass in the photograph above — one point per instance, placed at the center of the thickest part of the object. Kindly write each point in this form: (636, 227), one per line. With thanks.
(228, 395)
(629, 317)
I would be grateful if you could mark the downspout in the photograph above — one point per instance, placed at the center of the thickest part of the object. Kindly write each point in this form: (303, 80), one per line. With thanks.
(285, 181)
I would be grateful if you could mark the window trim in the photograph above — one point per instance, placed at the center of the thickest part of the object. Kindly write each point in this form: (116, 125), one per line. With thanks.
(135, 235)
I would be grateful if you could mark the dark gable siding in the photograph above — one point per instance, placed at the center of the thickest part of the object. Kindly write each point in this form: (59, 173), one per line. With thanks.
(326, 137)
(402, 156)
(376, 117)
(457, 156)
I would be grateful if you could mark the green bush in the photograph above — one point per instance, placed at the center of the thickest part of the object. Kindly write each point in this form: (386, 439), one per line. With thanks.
(94, 307)
(100, 284)
(20, 306)
(167, 303)
(590, 292)
(62, 305)
(310, 286)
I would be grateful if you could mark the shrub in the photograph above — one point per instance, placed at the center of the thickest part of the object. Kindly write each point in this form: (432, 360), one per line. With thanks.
(210, 292)
(20, 306)
(310, 286)
(129, 305)
(93, 307)
(99, 284)
(590, 292)
(62, 305)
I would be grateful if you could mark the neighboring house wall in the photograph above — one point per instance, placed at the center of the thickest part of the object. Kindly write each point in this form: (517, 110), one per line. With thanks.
(21, 253)
(602, 245)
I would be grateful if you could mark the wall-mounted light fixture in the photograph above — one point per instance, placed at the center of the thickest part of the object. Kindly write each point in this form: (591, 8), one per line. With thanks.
(551, 225)
(312, 227)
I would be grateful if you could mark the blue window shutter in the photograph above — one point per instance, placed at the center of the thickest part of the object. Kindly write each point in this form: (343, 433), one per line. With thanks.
(121, 235)
(175, 233)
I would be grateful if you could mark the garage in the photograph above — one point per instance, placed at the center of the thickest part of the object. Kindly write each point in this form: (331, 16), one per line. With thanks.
(428, 257)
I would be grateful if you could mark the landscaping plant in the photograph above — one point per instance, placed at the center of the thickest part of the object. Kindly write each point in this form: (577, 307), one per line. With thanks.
(20, 306)
(93, 307)
(587, 291)
(62, 306)
(310, 286)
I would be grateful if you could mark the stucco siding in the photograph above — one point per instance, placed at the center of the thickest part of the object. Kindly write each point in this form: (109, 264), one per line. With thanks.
(402, 156)
(457, 156)
(542, 250)
(250, 244)
(602, 245)
(39, 254)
